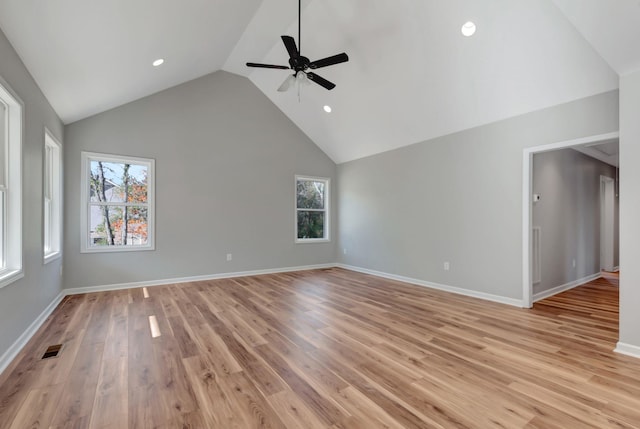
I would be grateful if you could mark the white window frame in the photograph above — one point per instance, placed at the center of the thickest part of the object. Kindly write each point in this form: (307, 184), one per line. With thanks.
(85, 246)
(326, 210)
(52, 198)
(11, 257)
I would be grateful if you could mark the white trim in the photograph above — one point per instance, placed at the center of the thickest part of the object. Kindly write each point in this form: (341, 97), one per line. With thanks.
(57, 199)
(11, 229)
(311, 240)
(527, 191)
(326, 210)
(627, 349)
(558, 289)
(22, 341)
(52, 257)
(85, 204)
(18, 345)
(437, 286)
(606, 202)
(536, 268)
(527, 225)
(9, 276)
(616, 269)
(149, 283)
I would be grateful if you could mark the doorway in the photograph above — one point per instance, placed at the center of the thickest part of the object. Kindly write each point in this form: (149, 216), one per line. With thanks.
(527, 204)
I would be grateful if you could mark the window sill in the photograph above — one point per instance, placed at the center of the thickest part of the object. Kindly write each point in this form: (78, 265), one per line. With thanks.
(312, 240)
(112, 249)
(9, 276)
(50, 257)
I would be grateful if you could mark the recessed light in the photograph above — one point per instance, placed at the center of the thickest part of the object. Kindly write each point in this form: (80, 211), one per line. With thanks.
(158, 62)
(468, 29)
(327, 109)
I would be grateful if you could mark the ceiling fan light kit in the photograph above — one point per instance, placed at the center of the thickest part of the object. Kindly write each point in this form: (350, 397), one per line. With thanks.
(301, 64)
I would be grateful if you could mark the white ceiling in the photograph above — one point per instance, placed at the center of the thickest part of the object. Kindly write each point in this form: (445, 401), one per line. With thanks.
(607, 151)
(90, 56)
(611, 26)
(411, 76)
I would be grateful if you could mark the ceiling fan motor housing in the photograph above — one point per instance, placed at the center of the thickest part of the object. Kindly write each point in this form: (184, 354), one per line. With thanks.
(299, 63)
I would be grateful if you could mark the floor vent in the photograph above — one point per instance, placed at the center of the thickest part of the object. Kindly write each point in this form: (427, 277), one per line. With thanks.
(52, 351)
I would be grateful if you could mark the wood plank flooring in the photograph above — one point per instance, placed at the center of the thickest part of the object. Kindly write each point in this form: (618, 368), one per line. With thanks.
(323, 349)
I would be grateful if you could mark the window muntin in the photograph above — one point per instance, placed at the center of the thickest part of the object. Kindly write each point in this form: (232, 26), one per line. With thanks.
(312, 209)
(118, 203)
(11, 133)
(52, 198)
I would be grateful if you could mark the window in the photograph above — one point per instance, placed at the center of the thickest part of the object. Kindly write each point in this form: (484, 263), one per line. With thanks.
(52, 178)
(10, 187)
(117, 203)
(312, 209)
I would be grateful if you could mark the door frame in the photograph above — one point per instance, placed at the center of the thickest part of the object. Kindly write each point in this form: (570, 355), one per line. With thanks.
(607, 204)
(527, 203)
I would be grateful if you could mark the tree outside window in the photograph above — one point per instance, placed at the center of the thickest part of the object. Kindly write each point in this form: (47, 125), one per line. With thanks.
(119, 203)
(312, 221)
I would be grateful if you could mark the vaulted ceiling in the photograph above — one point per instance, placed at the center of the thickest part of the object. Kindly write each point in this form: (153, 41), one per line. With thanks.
(411, 76)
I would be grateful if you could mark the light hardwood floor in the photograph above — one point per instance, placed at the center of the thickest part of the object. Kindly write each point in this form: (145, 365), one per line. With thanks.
(324, 349)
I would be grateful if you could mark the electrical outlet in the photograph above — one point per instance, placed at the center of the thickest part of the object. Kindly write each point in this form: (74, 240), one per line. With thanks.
(229, 256)
(344, 251)
(574, 263)
(60, 270)
(447, 266)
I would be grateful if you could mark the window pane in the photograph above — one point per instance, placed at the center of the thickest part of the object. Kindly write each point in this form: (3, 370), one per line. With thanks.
(47, 225)
(2, 234)
(107, 226)
(137, 229)
(3, 143)
(118, 182)
(48, 171)
(310, 194)
(310, 224)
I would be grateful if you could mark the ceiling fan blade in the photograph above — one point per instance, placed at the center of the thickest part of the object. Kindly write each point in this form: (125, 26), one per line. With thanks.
(267, 66)
(290, 44)
(288, 83)
(321, 81)
(329, 61)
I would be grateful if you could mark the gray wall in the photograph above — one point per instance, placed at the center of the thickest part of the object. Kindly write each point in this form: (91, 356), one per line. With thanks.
(456, 198)
(630, 210)
(22, 301)
(568, 215)
(226, 158)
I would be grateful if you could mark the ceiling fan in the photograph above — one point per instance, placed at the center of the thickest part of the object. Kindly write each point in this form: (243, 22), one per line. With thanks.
(300, 64)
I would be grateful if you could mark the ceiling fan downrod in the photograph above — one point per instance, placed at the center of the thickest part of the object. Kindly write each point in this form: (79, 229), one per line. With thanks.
(300, 64)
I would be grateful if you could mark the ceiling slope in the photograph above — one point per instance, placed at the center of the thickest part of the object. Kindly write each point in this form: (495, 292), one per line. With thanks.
(612, 27)
(412, 76)
(272, 19)
(90, 56)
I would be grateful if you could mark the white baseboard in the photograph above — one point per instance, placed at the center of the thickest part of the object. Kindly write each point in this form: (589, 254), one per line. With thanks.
(149, 283)
(431, 285)
(616, 269)
(22, 341)
(628, 349)
(558, 289)
(16, 347)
